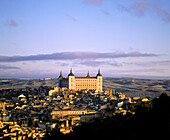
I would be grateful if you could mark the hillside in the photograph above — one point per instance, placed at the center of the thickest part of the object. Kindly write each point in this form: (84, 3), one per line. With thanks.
(138, 87)
(151, 120)
(20, 83)
(130, 86)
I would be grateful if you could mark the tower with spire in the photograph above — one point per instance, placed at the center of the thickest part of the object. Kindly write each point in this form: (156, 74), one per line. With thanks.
(61, 75)
(99, 82)
(71, 73)
(88, 75)
(99, 74)
(60, 79)
(71, 80)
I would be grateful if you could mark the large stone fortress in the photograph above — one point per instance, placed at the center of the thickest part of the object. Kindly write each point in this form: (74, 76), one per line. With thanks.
(81, 83)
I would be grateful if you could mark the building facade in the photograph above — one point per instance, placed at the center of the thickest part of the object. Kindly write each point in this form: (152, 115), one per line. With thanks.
(73, 112)
(81, 83)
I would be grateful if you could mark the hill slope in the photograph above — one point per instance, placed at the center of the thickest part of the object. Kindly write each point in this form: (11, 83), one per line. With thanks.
(138, 87)
(130, 86)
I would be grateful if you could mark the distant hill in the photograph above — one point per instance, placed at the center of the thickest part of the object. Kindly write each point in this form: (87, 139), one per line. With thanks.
(130, 86)
(138, 87)
(20, 83)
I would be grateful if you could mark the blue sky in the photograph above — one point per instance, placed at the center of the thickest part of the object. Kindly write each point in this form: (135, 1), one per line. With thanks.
(127, 38)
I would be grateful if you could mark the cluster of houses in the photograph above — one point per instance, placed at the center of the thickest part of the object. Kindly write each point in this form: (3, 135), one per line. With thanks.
(32, 113)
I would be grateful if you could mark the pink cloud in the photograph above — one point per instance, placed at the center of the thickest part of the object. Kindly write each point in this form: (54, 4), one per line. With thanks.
(95, 2)
(105, 12)
(142, 7)
(13, 23)
(75, 55)
(72, 18)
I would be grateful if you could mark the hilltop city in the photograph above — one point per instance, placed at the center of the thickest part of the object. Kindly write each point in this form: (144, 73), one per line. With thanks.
(34, 113)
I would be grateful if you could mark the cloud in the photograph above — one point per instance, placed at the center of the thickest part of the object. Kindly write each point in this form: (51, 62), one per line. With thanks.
(124, 8)
(74, 55)
(142, 7)
(105, 12)
(94, 2)
(8, 67)
(94, 63)
(13, 23)
(72, 18)
(149, 63)
(138, 70)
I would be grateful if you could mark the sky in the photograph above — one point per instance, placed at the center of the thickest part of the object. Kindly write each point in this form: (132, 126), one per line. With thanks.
(127, 38)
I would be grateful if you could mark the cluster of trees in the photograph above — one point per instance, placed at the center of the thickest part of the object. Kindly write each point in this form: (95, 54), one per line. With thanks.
(152, 119)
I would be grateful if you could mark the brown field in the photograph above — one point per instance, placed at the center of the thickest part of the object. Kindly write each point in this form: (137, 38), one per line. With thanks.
(130, 86)
(138, 87)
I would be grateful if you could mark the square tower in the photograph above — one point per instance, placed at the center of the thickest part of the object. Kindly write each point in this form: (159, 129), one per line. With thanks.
(71, 80)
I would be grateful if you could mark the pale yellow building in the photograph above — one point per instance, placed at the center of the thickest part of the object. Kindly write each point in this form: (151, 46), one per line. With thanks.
(53, 91)
(72, 112)
(81, 83)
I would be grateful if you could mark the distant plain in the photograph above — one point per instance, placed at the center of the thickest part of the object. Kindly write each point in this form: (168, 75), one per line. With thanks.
(129, 86)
